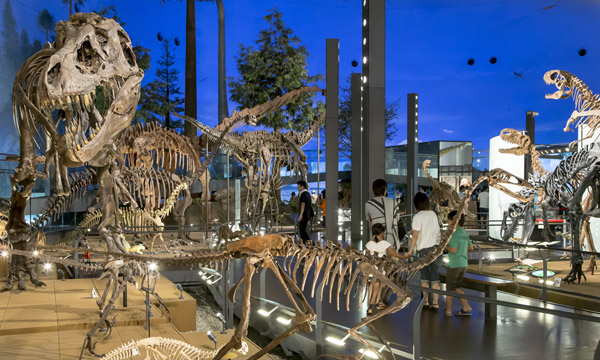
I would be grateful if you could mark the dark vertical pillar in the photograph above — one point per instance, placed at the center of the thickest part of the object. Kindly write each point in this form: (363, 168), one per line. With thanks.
(357, 164)
(373, 91)
(331, 138)
(191, 97)
(530, 130)
(412, 150)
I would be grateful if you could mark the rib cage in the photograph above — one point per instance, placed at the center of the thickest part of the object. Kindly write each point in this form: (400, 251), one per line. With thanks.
(152, 146)
(164, 348)
(563, 181)
(57, 205)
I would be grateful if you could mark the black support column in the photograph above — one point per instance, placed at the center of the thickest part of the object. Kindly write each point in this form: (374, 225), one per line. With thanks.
(373, 93)
(331, 138)
(530, 131)
(357, 164)
(412, 150)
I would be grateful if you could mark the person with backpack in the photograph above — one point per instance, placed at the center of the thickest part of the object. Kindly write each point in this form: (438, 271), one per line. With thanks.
(306, 211)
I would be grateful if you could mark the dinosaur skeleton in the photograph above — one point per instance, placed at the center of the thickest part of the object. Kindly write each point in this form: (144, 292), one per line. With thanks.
(159, 348)
(263, 154)
(441, 191)
(566, 185)
(53, 106)
(135, 217)
(587, 105)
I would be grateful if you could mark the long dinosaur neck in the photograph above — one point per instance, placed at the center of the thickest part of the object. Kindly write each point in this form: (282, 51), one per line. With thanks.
(305, 136)
(425, 169)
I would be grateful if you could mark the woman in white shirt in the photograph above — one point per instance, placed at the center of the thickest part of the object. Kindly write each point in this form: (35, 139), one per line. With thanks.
(380, 247)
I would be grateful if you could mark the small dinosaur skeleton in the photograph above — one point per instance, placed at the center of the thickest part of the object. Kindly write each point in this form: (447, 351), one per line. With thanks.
(441, 191)
(159, 348)
(587, 105)
(138, 218)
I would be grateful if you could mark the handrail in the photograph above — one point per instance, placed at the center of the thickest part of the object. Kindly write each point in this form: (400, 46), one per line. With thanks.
(536, 309)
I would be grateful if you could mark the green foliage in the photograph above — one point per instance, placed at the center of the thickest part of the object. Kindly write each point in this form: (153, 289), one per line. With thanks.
(163, 95)
(275, 67)
(110, 12)
(142, 57)
(11, 39)
(71, 3)
(345, 119)
(45, 21)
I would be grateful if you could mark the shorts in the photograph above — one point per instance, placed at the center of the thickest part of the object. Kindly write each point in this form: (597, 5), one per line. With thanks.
(454, 278)
(430, 273)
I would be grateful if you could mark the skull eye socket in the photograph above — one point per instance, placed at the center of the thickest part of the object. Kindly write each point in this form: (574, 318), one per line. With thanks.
(553, 75)
(53, 74)
(127, 52)
(88, 57)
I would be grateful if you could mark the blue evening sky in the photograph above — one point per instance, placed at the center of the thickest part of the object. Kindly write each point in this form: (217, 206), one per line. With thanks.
(428, 45)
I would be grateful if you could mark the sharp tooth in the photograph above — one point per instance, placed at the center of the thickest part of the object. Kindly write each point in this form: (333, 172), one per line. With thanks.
(86, 99)
(85, 142)
(76, 99)
(74, 128)
(78, 147)
(93, 93)
(52, 102)
(59, 101)
(92, 136)
(68, 99)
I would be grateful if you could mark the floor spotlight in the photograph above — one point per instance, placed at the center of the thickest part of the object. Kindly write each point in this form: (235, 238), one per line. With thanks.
(266, 313)
(212, 337)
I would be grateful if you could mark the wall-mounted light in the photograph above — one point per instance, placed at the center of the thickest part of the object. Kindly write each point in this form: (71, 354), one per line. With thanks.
(364, 22)
(36, 253)
(152, 266)
(364, 59)
(4, 253)
(364, 79)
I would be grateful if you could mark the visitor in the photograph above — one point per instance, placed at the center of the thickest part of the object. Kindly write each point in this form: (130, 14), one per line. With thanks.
(484, 203)
(305, 212)
(426, 235)
(293, 197)
(457, 263)
(314, 197)
(322, 206)
(384, 210)
(379, 247)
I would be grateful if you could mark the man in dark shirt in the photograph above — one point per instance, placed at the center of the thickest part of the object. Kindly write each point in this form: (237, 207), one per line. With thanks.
(306, 211)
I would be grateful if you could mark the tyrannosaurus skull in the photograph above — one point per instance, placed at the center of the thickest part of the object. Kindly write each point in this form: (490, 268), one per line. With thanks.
(93, 55)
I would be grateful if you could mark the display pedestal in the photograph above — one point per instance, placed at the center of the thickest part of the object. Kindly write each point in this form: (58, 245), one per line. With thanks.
(51, 322)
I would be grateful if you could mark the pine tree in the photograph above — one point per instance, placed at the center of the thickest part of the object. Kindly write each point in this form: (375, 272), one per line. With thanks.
(46, 22)
(162, 97)
(275, 67)
(11, 40)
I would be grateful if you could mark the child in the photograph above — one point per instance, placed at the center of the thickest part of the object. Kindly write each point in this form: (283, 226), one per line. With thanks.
(379, 247)
(426, 235)
(457, 265)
